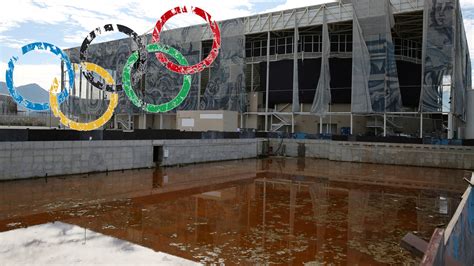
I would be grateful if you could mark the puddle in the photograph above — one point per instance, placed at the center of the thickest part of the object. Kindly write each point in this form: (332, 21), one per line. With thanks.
(276, 211)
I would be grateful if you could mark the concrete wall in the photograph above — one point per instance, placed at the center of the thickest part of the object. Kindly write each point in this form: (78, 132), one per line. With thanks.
(39, 158)
(20, 160)
(457, 157)
(206, 150)
(24, 120)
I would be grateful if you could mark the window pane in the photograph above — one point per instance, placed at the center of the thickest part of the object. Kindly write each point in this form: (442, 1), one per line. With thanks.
(248, 53)
(281, 49)
(256, 52)
(272, 50)
(349, 47)
(316, 47)
(289, 48)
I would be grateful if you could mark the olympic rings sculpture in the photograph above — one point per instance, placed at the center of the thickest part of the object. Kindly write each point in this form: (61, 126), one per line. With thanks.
(137, 59)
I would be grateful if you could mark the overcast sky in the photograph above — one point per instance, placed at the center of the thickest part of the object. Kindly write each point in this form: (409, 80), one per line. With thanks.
(66, 23)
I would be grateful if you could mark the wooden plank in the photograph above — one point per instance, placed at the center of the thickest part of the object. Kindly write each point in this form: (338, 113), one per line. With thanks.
(414, 245)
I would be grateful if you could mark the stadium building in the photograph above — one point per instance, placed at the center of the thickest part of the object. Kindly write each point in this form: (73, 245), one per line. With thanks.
(366, 67)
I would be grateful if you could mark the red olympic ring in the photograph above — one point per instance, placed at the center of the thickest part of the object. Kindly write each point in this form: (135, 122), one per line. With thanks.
(216, 44)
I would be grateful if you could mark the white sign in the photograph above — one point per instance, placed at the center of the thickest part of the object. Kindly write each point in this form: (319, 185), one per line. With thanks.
(211, 116)
(187, 122)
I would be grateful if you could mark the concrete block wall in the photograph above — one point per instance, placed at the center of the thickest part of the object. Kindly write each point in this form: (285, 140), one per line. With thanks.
(19, 160)
(37, 159)
(314, 148)
(206, 150)
(40, 158)
(456, 157)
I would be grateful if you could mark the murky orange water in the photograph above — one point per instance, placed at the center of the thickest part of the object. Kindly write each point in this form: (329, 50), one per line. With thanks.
(282, 211)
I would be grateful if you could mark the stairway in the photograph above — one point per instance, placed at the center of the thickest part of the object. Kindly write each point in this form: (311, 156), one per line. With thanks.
(280, 121)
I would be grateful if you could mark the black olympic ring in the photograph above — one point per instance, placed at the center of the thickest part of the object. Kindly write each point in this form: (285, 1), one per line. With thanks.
(98, 31)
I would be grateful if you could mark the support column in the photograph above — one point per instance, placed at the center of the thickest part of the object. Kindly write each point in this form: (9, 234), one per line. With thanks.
(62, 77)
(198, 107)
(61, 85)
(352, 124)
(421, 125)
(320, 124)
(450, 126)
(115, 122)
(292, 123)
(251, 78)
(252, 94)
(115, 89)
(295, 106)
(470, 115)
(80, 87)
(88, 97)
(267, 85)
(384, 124)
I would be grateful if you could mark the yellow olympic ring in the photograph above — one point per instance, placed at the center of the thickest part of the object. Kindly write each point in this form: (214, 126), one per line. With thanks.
(53, 99)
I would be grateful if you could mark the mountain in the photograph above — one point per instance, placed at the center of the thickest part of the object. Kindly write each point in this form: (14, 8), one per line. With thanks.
(3, 88)
(32, 92)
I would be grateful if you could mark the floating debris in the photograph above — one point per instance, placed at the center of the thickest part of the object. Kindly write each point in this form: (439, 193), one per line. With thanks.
(333, 220)
(13, 224)
(108, 227)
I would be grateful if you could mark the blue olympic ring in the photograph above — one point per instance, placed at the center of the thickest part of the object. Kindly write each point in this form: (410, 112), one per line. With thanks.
(11, 66)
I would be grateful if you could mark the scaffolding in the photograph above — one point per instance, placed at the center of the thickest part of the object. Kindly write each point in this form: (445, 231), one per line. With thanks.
(367, 33)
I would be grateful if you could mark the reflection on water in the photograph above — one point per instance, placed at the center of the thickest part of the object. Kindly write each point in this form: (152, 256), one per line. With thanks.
(252, 211)
(64, 244)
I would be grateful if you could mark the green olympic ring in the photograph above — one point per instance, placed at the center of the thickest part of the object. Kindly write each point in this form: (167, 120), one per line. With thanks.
(156, 108)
